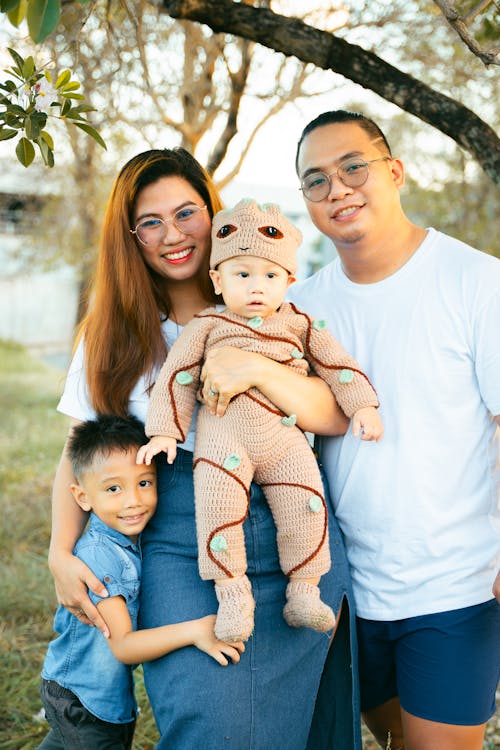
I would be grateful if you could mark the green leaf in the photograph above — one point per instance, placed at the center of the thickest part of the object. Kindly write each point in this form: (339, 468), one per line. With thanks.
(31, 129)
(13, 122)
(9, 86)
(34, 124)
(46, 152)
(43, 17)
(17, 59)
(7, 5)
(6, 133)
(18, 14)
(83, 108)
(71, 86)
(75, 113)
(28, 67)
(25, 152)
(65, 108)
(63, 78)
(73, 96)
(47, 138)
(92, 132)
(15, 109)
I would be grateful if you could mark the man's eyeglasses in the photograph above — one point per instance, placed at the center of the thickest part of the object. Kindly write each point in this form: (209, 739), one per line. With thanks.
(153, 231)
(352, 172)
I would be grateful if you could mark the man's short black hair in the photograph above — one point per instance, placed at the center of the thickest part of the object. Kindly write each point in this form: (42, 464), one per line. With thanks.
(100, 437)
(336, 116)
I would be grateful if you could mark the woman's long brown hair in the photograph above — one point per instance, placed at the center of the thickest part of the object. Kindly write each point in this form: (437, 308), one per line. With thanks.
(127, 300)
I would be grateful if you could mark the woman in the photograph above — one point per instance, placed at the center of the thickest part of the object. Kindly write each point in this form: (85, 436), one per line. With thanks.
(291, 687)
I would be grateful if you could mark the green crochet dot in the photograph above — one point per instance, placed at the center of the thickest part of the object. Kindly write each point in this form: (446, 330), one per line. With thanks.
(231, 462)
(289, 421)
(184, 377)
(315, 503)
(255, 322)
(218, 544)
(319, 324)
(296, 353)
(346, 376)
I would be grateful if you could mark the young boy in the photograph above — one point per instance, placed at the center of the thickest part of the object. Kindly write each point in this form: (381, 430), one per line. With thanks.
(252, 264)
(87, 683)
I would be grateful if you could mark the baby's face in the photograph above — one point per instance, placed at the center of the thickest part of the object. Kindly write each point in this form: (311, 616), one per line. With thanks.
(251, 286)
(119, 491)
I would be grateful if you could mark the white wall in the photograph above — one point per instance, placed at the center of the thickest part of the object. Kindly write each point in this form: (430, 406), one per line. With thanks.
(38, 310)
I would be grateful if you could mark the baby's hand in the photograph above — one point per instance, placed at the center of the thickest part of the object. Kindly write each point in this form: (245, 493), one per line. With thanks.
(367, 423)
(206, 641)
(156, 445)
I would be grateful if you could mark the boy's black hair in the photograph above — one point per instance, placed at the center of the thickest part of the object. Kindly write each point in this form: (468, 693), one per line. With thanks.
(101, 436)
(337, 116)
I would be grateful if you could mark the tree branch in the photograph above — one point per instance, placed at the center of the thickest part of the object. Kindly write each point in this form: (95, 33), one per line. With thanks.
(293, 37)
(460, 24)
(482, 5)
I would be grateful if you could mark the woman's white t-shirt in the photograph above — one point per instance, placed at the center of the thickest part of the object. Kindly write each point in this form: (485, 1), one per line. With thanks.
(75, 400)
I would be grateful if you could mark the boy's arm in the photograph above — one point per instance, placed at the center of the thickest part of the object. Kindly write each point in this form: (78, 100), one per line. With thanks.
(135, 646)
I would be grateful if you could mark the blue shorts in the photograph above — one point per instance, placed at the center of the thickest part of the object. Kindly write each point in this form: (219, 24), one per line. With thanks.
(444, 667)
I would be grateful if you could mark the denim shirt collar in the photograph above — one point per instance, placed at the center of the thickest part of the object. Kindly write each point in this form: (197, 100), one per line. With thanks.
(100, 527)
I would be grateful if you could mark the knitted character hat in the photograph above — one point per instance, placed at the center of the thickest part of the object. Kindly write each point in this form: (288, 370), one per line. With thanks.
(250, 229)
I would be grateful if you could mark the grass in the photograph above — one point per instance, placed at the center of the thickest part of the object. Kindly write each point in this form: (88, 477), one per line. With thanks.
(31, 438)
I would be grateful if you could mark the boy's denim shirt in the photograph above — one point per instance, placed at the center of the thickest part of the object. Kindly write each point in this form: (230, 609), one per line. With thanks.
(80, 658)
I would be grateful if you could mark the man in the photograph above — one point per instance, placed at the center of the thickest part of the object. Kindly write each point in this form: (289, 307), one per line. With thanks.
(420, 311)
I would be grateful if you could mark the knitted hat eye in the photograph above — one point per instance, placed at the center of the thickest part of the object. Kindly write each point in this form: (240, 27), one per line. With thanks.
(272, 232)
(226, 230)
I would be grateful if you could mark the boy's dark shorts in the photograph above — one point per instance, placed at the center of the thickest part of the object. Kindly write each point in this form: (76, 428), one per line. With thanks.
(75, 728)
(444, 667)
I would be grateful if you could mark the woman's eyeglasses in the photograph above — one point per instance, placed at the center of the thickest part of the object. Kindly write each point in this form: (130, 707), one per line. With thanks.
(153, 231)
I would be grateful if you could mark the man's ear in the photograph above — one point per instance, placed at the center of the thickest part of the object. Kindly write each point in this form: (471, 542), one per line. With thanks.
(80, 496)
(215, 276)
(398, 172)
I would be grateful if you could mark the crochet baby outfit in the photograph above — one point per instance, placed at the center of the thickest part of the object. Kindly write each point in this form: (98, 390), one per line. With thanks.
(254, 440)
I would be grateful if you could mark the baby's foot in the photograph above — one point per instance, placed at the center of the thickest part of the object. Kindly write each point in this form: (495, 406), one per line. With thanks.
(236, 607)
(304, 608)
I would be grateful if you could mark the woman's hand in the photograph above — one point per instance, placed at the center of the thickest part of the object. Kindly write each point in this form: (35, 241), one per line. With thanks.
(72, 580)
(228, 371)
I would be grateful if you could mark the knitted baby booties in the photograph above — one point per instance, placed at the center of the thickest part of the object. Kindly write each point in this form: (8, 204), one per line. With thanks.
(304, 608)
(235, 614)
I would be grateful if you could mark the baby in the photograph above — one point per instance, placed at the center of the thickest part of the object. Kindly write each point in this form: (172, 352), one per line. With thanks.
(253, 262)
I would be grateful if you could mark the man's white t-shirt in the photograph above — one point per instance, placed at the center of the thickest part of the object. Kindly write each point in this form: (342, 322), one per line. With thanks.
(420, 509)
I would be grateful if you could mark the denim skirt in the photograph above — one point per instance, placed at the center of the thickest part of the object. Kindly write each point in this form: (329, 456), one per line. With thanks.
(294, 688)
